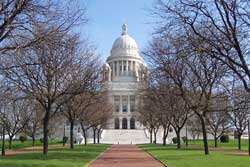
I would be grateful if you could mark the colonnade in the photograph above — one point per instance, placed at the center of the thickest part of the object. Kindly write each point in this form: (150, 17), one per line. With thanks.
(123, 67)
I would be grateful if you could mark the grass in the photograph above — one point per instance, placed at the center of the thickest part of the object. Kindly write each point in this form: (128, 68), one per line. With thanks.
(59, 157)
(187, 157)
(17, 144)
(232, 144)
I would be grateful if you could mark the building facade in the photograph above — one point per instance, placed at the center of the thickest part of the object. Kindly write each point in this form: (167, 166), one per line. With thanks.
(124, 73)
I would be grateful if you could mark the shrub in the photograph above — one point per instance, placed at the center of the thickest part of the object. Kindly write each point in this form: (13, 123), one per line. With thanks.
(41, 140)
(23, 138)
(224, 138)
(174, 139)
(65, 139)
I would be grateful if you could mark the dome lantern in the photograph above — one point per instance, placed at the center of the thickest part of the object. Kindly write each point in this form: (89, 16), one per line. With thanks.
(124, 29)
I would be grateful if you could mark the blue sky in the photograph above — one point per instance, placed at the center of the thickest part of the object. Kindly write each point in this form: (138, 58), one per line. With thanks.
(107, 16)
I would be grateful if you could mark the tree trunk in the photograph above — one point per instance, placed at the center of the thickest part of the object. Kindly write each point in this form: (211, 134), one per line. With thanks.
(164, 136)
(71, 134)
(3, 141)
(186, 136)
(10, 142)
(64, 135)
(178, 139)
(85, 137)
(151, 136)
(239, 141)
(84, 131)
(98, 135)
(155, 133)
(45, 132)
(94, 136)
(215, 141)
(33, 140)
(204, 132)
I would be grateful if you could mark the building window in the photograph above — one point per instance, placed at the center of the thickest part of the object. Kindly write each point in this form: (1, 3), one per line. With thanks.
(117, 123)
(124, 123)
(132, 123)
(132, 108)
(117, 98)
(132, 99)
(117, 103)
(117, 108)
(132, 103)
(124, 108)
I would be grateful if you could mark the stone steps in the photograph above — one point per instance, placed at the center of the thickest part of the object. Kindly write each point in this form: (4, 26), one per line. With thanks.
(124, 136)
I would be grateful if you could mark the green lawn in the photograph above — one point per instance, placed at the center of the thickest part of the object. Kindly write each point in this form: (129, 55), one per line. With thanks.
(233, 144)
(60, 157)
(172, 157)
(16, 144)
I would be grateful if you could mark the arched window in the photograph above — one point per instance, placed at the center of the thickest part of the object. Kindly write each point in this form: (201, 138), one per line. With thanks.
(124, 123)
(117, 123)
(132, 123)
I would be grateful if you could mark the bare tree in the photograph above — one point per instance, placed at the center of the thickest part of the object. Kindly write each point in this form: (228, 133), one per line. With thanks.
(239, 111)
(195, 74)
(164, 116)
(194, 126)
(59, 72)
(35, 121)
(178, 114)
(86, 114)
(71, 112)
(20, 20)
(101, 112)
(218, 119)
(149, 113)
(4, 93)
(74, 107)
(222, 28)
(17, 115)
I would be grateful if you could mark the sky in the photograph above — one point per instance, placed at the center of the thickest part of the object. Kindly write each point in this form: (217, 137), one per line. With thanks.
(107, 16)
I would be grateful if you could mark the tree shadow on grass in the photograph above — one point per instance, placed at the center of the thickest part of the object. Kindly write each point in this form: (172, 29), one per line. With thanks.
(76, 154)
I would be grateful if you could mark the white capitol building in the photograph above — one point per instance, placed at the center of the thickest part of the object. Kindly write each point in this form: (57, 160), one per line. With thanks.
(124, 74)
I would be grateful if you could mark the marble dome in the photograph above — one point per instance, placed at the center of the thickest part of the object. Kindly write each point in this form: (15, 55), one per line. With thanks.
(124, 45)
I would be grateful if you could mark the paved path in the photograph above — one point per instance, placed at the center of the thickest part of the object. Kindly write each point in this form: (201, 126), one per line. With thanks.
(125, 156)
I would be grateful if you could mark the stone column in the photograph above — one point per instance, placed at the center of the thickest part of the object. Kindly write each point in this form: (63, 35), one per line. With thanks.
(120, 122)
(128, 122)
(128, 103)
(117, 68)
(122, 69)
(127, 67)
(132, 68)
(120, 103)
(112, 70)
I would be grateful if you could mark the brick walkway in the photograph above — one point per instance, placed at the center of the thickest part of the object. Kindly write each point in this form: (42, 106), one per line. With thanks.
(125, 156)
